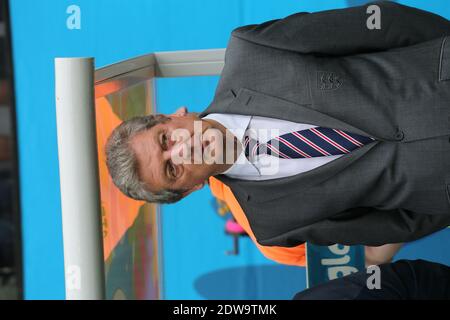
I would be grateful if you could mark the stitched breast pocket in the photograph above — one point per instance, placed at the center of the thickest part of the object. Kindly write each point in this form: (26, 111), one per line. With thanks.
(444, 60)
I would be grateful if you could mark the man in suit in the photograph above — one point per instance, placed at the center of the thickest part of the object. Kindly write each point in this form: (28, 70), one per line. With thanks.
(361, 147)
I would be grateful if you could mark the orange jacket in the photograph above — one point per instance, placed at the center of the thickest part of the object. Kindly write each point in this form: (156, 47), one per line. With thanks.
(292, 256)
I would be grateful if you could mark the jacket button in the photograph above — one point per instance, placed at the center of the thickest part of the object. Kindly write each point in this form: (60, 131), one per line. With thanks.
(399, 135)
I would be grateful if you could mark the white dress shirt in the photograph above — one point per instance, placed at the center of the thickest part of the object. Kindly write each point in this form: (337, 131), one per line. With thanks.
(265, 166)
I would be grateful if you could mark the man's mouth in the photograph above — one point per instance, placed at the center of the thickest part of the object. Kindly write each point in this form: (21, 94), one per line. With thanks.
(205, 143)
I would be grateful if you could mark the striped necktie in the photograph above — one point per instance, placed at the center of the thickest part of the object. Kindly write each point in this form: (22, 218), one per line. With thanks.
(308, 143)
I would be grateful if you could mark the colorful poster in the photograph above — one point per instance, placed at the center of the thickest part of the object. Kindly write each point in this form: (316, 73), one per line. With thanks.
(130, 228)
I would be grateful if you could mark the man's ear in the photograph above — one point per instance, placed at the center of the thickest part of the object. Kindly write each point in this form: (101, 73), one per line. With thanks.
(182, 111)
(194, 188)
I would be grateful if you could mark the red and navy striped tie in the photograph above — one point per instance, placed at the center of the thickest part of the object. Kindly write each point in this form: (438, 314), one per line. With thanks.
(308, 143)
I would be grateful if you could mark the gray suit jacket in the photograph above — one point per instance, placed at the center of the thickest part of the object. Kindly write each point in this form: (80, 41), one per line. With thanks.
(328, 69)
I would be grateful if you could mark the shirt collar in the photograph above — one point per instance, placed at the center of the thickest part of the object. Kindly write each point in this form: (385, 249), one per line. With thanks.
(236, 123)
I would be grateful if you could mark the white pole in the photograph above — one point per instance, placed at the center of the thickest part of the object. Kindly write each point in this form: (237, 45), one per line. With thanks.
(79, 181)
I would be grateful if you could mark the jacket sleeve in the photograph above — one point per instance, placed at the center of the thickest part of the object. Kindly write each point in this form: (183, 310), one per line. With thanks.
(364, 226)
(344, 31)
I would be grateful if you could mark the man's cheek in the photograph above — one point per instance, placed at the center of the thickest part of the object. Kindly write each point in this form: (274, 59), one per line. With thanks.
(199, 173)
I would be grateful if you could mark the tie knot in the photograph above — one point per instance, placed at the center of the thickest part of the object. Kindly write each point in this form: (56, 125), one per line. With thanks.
(253, 148)
(249, 144)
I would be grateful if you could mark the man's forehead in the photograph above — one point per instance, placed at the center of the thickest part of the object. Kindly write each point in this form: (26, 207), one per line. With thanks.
(140, 142)
(145, 148)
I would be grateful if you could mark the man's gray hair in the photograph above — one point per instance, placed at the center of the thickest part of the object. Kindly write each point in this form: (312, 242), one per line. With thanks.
(123, 165)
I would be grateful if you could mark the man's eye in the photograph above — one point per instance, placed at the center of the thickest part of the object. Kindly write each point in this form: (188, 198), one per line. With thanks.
(164, 141)
(172, 170)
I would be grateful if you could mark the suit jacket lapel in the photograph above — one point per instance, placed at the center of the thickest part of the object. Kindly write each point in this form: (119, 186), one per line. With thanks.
(250, 102)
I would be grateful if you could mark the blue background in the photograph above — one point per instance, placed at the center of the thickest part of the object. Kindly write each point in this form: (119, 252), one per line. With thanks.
(194, 263)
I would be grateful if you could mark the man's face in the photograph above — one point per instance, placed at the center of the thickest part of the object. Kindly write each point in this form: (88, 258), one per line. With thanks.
(160, 149)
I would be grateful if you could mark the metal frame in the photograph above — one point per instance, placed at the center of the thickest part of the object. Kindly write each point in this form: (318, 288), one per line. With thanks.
(163, 64)
(76, 86)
